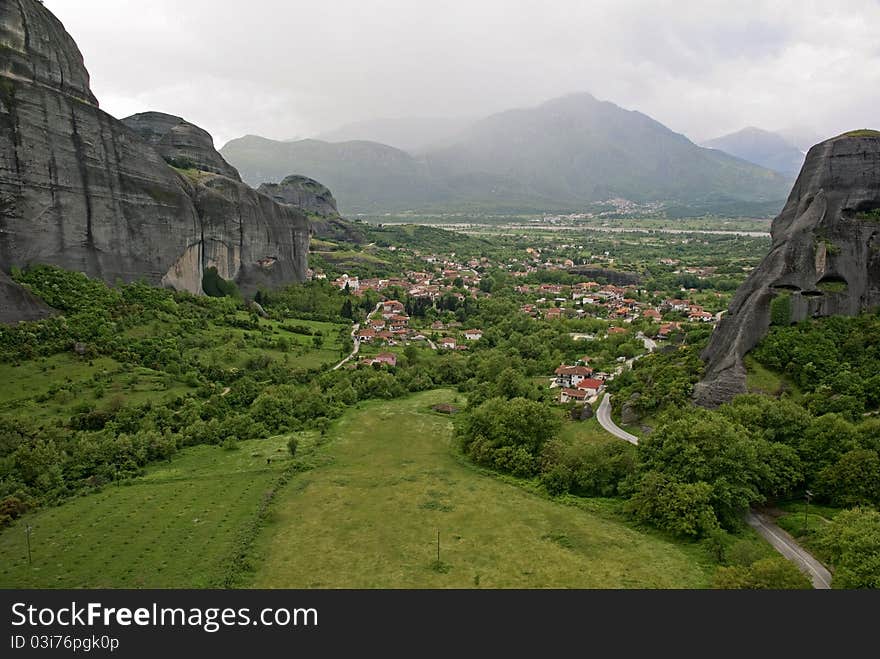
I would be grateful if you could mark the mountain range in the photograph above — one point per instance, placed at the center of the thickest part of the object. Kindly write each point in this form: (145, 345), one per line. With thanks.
(763, 148)
(563, 154)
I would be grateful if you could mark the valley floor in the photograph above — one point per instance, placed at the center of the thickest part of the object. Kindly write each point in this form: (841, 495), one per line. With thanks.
(385, 480)
(369, 518)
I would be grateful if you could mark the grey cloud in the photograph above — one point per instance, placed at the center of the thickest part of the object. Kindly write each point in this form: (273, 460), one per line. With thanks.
(284, 69)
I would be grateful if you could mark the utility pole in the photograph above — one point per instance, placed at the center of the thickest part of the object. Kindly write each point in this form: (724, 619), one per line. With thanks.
(27, 533)
(807, 496)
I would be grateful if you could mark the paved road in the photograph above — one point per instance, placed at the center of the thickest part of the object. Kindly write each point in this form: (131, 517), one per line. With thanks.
(603, 416)
(355, 351)
(786, 545)
(766, 528)
(357, 343)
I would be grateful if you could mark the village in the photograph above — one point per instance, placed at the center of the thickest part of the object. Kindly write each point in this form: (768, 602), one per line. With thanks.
(444, 282)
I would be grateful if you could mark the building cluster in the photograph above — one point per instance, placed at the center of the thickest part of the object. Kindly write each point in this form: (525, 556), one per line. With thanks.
(578, 382)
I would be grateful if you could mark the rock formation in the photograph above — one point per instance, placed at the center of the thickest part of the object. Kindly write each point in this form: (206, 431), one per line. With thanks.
(80, 190)
(313, 197)
(182, 144)
(317, 201)
(824, 259)
(17, 303)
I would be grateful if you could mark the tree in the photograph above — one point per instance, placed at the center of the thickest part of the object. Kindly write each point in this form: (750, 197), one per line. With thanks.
(852, 542)
(704, 447)
(507, 434)
(854, 480)
(680, 508)
(292, 445)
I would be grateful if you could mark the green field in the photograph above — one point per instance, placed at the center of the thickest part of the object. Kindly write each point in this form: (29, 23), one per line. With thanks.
(52, 387)
(369, 518)
(175, 527)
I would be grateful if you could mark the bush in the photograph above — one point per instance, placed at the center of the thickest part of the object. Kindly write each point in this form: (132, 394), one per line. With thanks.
(774, 573)
(215, 286)
(292, 445)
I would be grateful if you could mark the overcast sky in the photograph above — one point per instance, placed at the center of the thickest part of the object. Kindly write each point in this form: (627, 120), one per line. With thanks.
(290, 68)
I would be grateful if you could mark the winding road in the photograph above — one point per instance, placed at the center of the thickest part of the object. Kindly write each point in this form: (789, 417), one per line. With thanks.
(603, 416)
(357, 344)
(781, 541)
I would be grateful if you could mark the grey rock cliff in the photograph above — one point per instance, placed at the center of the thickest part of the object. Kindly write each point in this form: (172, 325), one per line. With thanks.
(317, 201)
(824, 258)
(304, 192)
(180, 143)
(80, 190)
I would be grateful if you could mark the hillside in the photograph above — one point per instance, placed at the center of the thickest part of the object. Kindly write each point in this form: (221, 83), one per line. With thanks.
(363, 175)
(762, 148)
(577, 148)
(563, 154)
(411, 134)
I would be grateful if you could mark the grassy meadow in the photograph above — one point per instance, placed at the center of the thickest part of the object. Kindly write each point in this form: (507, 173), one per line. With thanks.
(369, 518)
(175, 527)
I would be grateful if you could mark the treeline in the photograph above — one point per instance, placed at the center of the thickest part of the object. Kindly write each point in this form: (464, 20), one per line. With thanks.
(834, 361)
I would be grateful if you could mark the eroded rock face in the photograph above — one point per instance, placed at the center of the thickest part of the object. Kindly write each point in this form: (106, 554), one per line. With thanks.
(304, 192)
(318, 203)
(824, 259)
(16, 303)
(180, 143)
(80, 190)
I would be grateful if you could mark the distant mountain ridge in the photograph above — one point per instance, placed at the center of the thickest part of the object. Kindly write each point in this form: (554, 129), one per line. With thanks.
(763, 148)
(565, 153)
(410, 134)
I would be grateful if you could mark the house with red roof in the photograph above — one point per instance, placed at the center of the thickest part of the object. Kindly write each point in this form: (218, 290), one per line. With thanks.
(567, 395)
(570, 376)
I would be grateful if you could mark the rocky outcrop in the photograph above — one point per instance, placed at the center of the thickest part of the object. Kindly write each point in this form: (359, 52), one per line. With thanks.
(318, 203)
(17, 303)
(306, 193)
(183, 145)
(80, 190)
(824, 259)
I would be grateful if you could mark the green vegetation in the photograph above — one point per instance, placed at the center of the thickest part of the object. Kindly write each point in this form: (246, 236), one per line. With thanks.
(852, 543)
(215, 286)
(369, 518)
(873, 215)
(761, 380)
(768, 573)
(780, 309)
(130, 377)
(834, 361)
(862, 132)
(177, 526)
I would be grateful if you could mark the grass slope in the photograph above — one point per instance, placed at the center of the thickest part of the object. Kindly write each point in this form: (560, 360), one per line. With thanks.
(369, 518)
(173, 528)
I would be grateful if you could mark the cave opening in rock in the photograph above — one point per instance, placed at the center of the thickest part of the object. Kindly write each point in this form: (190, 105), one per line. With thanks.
(832, 284)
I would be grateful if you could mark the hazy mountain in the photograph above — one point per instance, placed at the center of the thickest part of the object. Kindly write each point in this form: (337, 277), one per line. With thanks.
(363, 175)
(412, 134)
(578, 148)
(802, 137)
(763, 148)
(562, 154)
